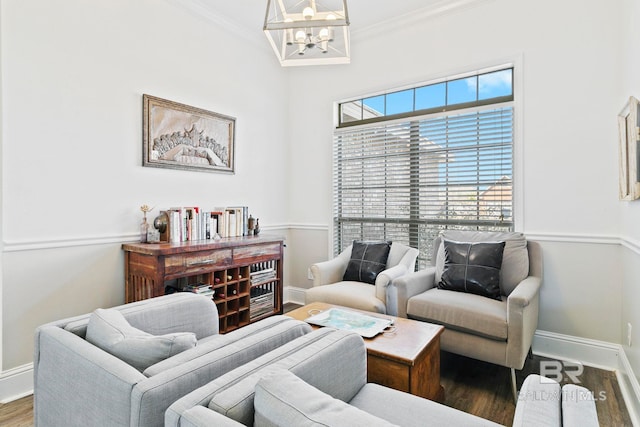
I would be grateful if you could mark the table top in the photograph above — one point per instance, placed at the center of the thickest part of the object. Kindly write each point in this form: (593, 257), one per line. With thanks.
(403, 344)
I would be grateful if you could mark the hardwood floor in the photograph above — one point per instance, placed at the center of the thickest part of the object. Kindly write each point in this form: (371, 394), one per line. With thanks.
(484, 389)
(18, 413)
(470, 385)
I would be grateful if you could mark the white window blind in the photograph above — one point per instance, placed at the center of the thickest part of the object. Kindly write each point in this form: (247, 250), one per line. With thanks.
(407, 180)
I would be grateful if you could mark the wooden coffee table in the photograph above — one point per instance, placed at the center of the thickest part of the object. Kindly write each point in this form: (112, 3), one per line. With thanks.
(407, 359)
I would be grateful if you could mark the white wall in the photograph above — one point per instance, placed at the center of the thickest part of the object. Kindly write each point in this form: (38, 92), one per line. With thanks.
(569, 59)
(630, 211)
(73, 75)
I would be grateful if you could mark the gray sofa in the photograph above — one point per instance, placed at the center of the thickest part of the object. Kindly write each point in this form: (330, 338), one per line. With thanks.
(333, 363)
(77, 383)
(320, 379)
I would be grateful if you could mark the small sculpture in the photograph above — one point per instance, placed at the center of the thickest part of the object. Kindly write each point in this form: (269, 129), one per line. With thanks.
(144, 226)
(256, 230)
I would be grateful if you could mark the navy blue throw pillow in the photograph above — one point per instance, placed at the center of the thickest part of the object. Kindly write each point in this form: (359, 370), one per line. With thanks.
(473, 268)
(368, 259)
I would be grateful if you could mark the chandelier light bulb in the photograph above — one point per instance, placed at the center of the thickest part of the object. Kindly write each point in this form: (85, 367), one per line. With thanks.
(288, 33)
(300, 36)
(308, 13)
(324, 34)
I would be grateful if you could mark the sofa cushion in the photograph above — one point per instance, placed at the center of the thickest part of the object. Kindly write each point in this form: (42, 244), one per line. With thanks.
(282, 400)
(110, 331)
(368, 259)
(349, 294)
(515, 258)
(461, 311)
(412, 411)
(472, 267)
(311, 357)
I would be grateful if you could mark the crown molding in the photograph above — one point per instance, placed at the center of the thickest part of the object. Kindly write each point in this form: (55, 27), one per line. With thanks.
(202, 9)
(436, 8)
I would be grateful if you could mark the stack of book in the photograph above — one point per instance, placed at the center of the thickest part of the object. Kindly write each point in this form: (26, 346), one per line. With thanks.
(262, 276)
(261, 302)
(200, 289)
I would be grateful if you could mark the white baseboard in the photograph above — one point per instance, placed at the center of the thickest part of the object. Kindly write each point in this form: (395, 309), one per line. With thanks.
(16, 383)
(598, 354)
(294, 295)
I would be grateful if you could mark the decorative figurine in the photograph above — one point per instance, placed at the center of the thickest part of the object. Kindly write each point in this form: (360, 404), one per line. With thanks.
(256, 230)
(144, 226)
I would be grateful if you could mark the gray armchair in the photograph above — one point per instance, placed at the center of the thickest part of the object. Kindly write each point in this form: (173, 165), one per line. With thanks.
(329, 287)
(76, 383)
(498, 331)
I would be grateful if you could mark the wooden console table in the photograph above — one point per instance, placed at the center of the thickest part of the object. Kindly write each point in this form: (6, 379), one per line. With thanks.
(244, 272)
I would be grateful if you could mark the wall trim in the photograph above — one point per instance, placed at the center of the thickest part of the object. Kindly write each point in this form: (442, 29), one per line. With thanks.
(597, 354)
(16, 383)
(32, 245)
(294, 294)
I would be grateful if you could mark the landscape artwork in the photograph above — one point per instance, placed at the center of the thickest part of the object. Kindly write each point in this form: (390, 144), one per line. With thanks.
(179, 136)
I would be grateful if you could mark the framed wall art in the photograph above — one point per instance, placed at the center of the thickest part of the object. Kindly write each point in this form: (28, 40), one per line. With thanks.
(179, 136)
(629, 152)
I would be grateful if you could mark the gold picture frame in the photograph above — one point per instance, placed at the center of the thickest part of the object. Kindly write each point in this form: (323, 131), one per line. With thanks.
(180, 136)
(628, 140)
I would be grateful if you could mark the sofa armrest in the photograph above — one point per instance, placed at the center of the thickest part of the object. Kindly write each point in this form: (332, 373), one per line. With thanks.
(406, 286)
(385, 278)
(578, 407)
(522, 320)
(332, 271)
(151, 398)
(66, 371)
(200, 416)
(538, 403)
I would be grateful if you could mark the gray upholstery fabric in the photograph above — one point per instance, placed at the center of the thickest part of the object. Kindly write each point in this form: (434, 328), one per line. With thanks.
(313, 357)
(283, 400)
(578, 407)
(538, 403)
(199, 416)
(78, 384)
(343, 378)
(265, 328)
(162, 315)
(110, 331)
(329, 274)
(408, 410)
(461, 311)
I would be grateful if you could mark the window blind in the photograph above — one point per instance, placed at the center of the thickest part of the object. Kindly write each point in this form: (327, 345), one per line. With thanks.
(407, 180)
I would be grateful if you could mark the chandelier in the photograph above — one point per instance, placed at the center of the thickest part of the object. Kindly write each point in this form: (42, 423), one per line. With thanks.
(308, 32)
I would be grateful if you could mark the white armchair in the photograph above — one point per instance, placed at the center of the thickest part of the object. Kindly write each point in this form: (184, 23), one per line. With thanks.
(329, 286)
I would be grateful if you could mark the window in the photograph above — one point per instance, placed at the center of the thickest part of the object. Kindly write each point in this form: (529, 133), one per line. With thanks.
(406, 179)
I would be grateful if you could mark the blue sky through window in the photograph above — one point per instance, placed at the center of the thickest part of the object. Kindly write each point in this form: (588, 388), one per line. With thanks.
(469, 89)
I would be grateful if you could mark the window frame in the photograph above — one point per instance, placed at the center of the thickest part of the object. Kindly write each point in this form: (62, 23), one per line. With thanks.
(512, 100)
